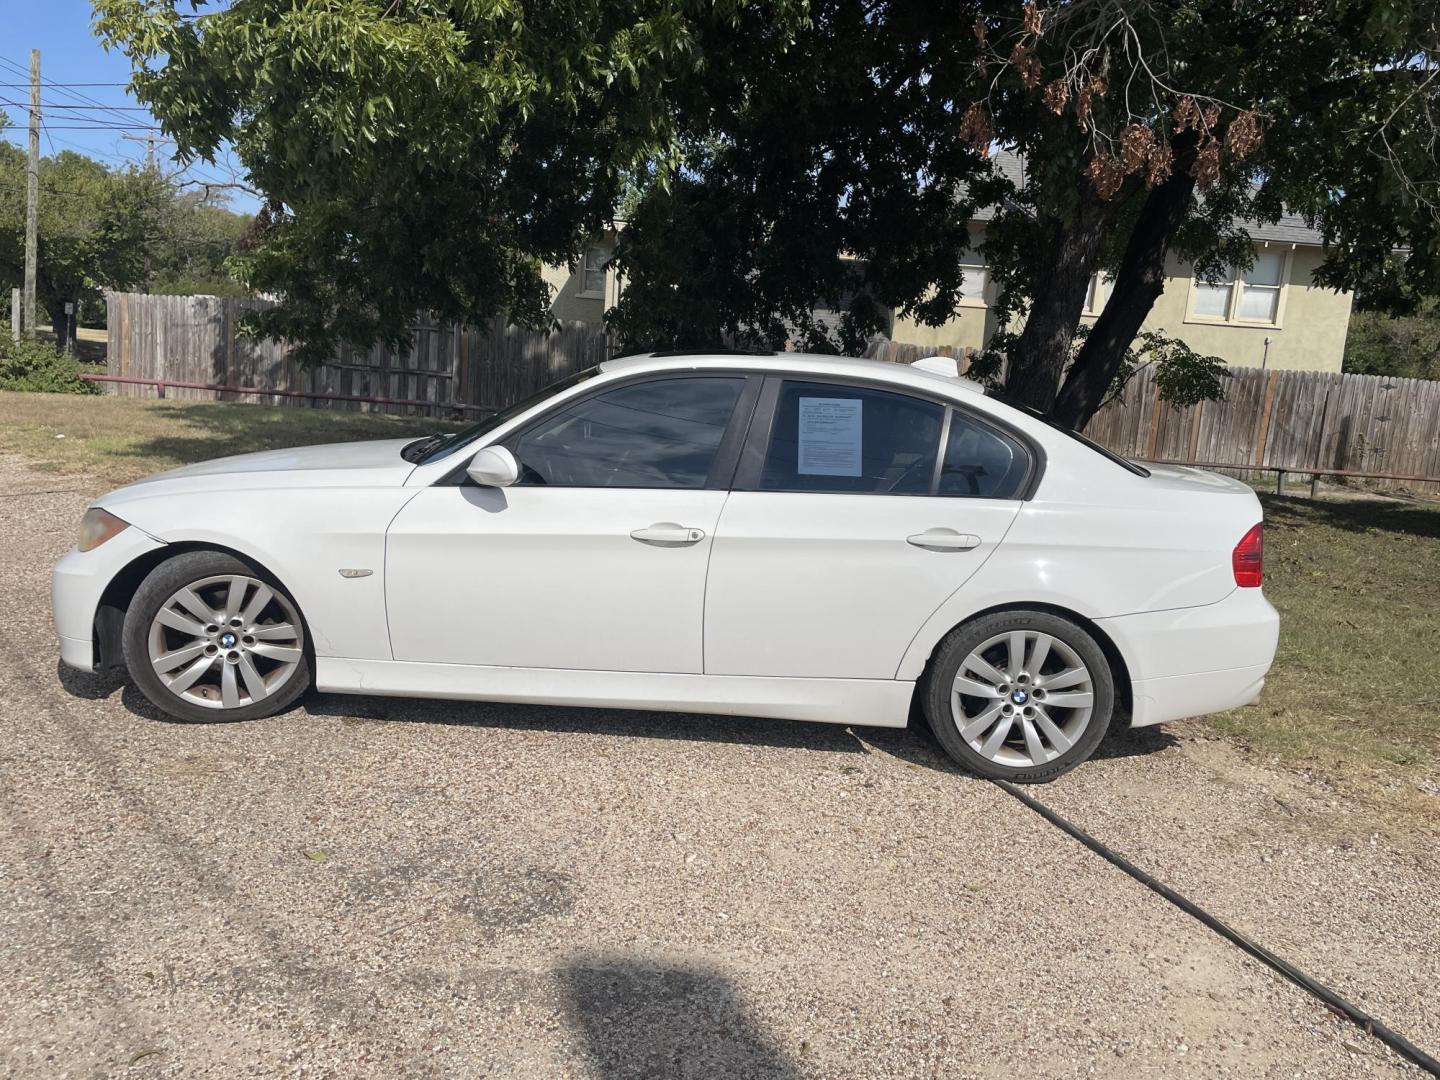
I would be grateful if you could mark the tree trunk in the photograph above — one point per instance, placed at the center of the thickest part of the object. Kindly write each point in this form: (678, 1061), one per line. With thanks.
(60, 325)
(1037, 360)
(1138, 284)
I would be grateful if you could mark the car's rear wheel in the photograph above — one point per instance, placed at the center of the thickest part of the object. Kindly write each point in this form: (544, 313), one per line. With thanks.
(1019, 695)
(210, 637)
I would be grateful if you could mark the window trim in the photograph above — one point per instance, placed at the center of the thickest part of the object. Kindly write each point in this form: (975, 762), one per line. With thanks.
(757, 443)
(592, 294)
(1238, 286)
(727, 454)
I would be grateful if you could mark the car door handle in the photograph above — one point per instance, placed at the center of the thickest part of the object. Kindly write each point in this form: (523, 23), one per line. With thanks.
(944, 540)
(668, 534)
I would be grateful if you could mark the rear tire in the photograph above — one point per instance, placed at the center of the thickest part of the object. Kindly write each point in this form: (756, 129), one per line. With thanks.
(1023, 696)
(209, 637)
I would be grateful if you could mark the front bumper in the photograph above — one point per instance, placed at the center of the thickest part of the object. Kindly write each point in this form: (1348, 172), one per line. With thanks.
(77, 585)
(1196, 661)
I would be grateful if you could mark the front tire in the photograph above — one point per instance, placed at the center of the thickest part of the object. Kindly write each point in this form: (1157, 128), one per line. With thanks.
(210, 637)
(1023, 696)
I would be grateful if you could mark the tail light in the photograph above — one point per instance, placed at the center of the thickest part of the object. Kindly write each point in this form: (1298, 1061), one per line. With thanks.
(1248, 558)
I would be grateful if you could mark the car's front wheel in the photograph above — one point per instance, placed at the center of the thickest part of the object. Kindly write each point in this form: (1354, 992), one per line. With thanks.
(210, 637)
(1019, 695)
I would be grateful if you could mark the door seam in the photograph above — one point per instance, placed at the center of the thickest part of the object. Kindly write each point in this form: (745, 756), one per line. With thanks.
(705, 590)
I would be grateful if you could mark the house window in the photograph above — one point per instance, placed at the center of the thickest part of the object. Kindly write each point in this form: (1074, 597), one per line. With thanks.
(1251, 297)
(592, 282)
(1260, 289)
(977, 276)
(1097, 293)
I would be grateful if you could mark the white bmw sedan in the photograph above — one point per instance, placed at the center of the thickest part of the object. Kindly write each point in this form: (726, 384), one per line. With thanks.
(787, 536)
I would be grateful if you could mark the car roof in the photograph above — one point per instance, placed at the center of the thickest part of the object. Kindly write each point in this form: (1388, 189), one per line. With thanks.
(796, 362)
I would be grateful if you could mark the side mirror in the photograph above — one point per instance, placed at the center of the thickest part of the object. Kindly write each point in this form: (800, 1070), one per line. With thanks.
(493, 466)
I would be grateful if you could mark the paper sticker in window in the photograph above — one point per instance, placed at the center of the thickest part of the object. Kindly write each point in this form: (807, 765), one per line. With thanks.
(829, 437)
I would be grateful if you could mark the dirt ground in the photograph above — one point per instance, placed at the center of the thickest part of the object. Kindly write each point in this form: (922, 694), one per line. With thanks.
(394, 888)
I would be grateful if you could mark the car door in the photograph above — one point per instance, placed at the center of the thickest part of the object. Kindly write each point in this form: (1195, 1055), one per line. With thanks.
(848, 527)
(596, 558)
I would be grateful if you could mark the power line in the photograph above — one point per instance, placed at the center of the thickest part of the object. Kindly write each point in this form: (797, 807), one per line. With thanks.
(100, 127)
(121, 158)
(74, 96)
(62, 105)
(47, 82)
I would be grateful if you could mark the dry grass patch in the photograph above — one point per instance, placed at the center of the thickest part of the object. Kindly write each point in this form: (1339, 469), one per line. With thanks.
(115, 440)
(1356, 682)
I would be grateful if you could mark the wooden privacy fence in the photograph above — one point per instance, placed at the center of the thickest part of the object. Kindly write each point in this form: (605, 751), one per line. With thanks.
(1294, 421)
(448, 368)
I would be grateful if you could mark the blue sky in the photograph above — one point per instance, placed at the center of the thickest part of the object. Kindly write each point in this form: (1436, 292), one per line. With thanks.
(71, 60)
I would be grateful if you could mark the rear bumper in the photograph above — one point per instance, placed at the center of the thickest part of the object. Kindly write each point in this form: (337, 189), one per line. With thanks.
(1195, 661)
(78, 583)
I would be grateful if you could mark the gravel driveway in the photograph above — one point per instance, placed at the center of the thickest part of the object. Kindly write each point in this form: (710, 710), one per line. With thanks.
(395, 888)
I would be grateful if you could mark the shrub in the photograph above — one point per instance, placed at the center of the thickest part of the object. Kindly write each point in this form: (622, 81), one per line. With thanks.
(35, 365)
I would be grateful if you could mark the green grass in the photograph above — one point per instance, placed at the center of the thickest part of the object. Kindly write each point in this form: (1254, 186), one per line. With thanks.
(114, 440)
(1356, 681)
(1357, 582)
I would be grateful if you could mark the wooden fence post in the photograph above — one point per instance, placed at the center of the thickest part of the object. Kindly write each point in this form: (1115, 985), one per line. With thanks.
(1262, 428)
(1154, 439)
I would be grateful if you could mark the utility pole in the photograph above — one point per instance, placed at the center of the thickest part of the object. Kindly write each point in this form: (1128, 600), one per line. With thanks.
(149, 140)
(32, 195)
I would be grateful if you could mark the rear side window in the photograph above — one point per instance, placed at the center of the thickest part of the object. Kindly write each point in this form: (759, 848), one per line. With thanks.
(981, 462)
(828, 437)
(659, 434)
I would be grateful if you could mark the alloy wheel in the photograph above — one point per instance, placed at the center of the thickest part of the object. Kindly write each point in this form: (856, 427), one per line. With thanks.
(225, 642)
(1022, 698)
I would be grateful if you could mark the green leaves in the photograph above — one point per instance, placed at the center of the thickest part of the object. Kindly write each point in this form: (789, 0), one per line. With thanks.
(424, 155)
(35, 365)
(111, 229)
(1183, 376)
(776, 158)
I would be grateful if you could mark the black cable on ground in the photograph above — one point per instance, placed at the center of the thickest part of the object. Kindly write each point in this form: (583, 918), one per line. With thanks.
(1393, 1039)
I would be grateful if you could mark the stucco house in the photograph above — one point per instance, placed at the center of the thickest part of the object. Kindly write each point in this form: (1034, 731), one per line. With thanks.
(586, 291)
(1271, 315)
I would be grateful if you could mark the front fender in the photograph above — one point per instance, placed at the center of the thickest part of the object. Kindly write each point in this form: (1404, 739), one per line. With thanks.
(304, 537)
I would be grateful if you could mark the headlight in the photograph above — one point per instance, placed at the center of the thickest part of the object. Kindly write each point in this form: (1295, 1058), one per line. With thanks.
(97, 526)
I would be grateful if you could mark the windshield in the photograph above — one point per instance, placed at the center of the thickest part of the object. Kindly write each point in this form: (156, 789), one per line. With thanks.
(1124, 463)
(437, 447)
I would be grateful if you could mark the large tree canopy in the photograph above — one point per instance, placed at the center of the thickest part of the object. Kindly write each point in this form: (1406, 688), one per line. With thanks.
(95, 229)
(102, 228)
(780, 155)
(430, 154)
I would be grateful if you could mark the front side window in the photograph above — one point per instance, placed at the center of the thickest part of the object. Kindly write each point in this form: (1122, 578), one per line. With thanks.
(436, 447)
(828, 437)
(981, 461)
(659, 434)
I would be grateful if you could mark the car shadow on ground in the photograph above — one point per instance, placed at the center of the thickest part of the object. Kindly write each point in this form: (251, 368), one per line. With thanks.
(914, 744)
(1420, 519)
(641, 1019)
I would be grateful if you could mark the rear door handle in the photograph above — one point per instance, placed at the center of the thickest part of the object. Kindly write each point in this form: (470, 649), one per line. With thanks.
(668, 534)
(944, 540)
